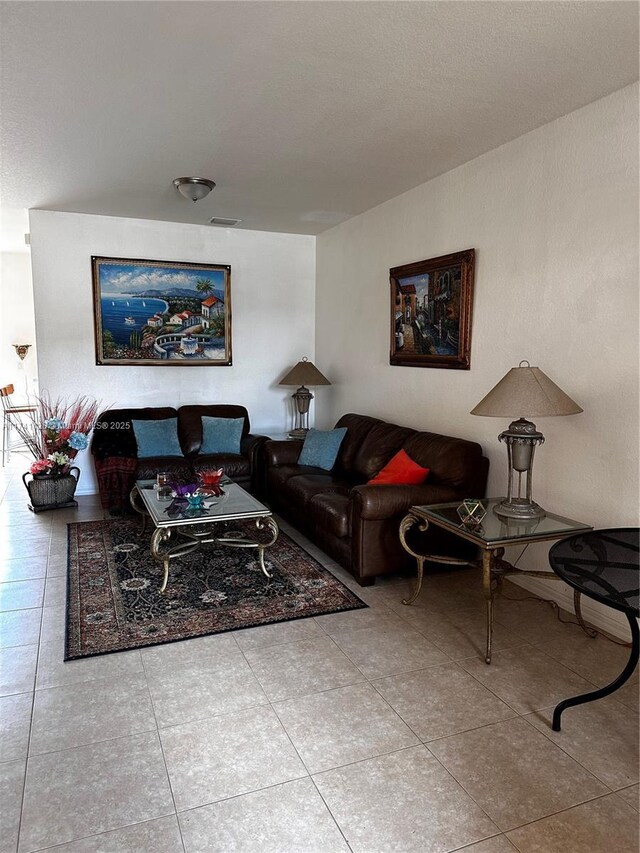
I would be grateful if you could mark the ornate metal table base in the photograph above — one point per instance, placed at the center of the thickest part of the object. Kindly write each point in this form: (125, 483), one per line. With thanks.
(195, 535)
(494, 569)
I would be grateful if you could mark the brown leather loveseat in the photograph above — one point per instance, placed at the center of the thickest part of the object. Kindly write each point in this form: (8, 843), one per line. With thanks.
(355, 523)
(114, 450)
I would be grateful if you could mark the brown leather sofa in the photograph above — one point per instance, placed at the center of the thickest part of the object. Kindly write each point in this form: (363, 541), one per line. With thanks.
(357, 524)
(114, 450)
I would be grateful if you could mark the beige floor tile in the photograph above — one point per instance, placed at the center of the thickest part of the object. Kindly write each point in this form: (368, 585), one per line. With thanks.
(91, 789)
(54, 672)
(225, 756)
(23, 569)
(77, 714)
(631, 796)
(601, 735)
(598, 660)
(526, 678)
(57, 565)
(20, 627)
(179, 697)
(15, 721)
(11, 785)
(153, 836)
(23, 549)
(342, 726)
(337, 624)
(283, 819)
(515, 773)
(380, 652)
(275, 635)
(460, 633)
(600, 826)
(55, 591)
(17, 669)
(629, 695)
(25, 536)
(442, 700)
(534, 619)
(405, 802)
(20, 595)
(379, 596)
(442, 593)
(497, 844)
(191, 655)
(296, 669)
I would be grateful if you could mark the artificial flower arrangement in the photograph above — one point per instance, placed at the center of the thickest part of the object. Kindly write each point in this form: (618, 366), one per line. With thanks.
(55, 431)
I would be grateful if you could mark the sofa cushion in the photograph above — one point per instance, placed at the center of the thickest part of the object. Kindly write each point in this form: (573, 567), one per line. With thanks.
(381, 443)
(156, 437)
(176, 466)
(190, 423)
(331, 513)
(113, 434)
(400, 470)
(305, 486)
(357, 428)
(221, 435)
(233, 465)
(320, 448)
(452, 461)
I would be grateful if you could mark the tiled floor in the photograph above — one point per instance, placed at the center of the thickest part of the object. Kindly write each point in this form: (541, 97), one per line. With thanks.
(371, 731)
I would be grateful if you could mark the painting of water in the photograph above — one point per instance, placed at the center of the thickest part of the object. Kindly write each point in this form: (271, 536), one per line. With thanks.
(431, 305)
(161, 312)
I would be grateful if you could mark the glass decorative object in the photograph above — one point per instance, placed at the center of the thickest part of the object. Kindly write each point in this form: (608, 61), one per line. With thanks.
(471, 512)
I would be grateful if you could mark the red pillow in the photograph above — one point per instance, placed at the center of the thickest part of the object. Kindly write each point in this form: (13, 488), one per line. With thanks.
(401, 470)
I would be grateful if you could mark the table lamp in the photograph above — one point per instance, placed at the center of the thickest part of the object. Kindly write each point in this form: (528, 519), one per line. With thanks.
(304, 373)
(524, 391)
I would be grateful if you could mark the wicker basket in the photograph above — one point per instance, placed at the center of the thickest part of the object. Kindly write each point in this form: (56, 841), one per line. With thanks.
(48, 492)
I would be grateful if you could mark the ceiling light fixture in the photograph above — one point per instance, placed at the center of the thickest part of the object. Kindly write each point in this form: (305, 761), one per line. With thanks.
(194, 188)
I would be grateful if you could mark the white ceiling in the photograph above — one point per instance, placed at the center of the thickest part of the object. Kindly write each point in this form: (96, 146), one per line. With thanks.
(304, 113)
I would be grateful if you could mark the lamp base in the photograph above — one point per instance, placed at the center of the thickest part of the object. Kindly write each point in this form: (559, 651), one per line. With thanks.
(298, 434)
(520, 509)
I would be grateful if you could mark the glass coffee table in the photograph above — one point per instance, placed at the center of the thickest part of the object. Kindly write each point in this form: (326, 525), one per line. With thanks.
(492, 535)
(179, 529)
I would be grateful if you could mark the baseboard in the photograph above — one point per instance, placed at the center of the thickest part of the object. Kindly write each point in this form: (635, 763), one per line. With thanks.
(605, 618)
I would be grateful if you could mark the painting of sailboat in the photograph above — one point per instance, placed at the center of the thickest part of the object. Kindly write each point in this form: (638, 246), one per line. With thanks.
(161, 312)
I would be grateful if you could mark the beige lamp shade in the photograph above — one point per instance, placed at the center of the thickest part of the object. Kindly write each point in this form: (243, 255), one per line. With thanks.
(526, 392)
(304, 373)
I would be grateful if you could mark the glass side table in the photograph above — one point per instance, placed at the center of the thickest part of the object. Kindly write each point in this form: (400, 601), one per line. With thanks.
(492, 535)
(603, 565)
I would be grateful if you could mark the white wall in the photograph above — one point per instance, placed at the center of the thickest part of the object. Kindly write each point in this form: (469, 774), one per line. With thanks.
(18, 325)
(272, 299)
(553, 217)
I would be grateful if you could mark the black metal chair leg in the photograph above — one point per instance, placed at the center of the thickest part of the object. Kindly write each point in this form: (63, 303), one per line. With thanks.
(624, 676)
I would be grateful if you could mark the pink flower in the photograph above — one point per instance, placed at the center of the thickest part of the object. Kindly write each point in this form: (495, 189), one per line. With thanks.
(40, 466)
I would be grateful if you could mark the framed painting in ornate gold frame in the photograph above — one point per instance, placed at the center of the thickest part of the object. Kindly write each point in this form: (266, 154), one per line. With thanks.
(431, 305)
(161, 312)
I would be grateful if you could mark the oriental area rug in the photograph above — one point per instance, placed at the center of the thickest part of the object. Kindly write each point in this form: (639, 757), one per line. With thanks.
(114, 602)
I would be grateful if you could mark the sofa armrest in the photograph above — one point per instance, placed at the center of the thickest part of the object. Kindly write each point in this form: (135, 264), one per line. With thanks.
(377, 502)
(281, 453)
(251, 443)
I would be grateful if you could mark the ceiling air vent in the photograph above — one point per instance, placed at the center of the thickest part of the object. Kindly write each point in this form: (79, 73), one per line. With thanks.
(224, 223)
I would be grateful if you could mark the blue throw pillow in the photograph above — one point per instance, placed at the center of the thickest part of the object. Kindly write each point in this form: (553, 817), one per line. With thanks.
(221, 435)
(320, 448)
(157, 438)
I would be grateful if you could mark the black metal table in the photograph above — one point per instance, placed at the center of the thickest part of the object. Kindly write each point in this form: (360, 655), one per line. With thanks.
(602, 565)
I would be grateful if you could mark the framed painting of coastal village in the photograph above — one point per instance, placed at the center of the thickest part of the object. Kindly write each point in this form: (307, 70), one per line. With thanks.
(161, 312)
(431, 305)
